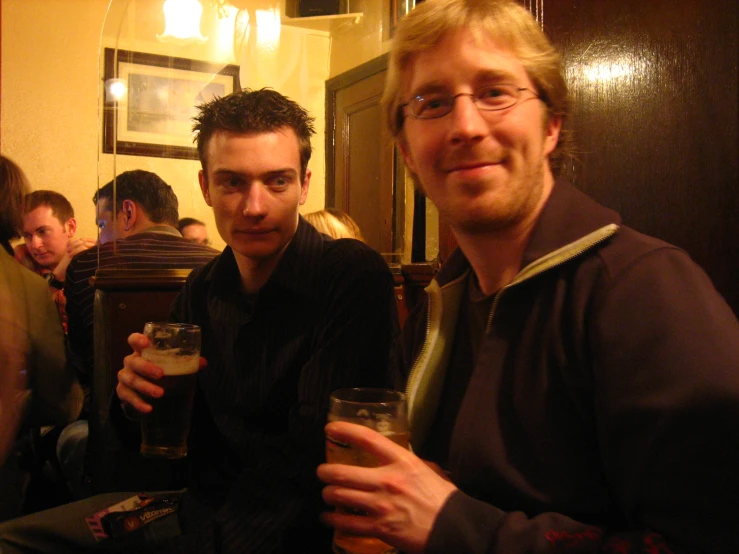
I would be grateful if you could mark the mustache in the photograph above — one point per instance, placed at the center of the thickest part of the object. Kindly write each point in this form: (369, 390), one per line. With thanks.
(470, 158)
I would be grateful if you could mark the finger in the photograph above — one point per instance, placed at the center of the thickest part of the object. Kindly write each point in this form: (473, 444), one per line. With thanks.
(354, 501)
(138, 341)
(130, 398)
(354, 524)
(140, 381)
(368, 440)
(364, 478)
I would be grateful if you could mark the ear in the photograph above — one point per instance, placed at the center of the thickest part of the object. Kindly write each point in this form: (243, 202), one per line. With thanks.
(304, 186)
(551, 134)
(130, 214)
(203, 180)
(71, 227)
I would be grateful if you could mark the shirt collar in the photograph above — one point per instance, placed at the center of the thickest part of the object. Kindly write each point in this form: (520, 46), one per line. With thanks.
(296, 272)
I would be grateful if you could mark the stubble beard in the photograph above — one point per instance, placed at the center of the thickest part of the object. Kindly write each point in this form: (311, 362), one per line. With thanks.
(505, 213)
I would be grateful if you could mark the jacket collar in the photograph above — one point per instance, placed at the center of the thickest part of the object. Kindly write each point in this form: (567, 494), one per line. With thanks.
(567, 216)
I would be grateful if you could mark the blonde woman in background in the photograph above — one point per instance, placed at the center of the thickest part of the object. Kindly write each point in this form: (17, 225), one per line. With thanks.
(335, 223)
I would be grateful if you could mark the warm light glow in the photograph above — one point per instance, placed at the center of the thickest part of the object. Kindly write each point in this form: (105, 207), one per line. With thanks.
(268, 29)
(608, 71)
(182, 22)
(115, 89)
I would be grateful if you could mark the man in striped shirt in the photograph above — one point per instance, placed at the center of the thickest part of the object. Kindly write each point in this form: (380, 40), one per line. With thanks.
(140, 234)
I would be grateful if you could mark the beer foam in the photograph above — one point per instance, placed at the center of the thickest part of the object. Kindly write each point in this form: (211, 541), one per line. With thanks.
(171, 361)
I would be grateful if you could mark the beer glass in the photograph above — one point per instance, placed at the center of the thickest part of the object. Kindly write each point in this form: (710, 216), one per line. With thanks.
(386, 412)
(175, 347)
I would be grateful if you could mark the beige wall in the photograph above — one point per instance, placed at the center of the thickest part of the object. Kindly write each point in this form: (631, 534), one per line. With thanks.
(51, 72)
(49, 95)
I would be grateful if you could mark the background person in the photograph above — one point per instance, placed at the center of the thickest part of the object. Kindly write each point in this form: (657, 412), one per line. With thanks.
(575, 379)
(37, 389)
(194, 230)
(335, 226)
(49, 229)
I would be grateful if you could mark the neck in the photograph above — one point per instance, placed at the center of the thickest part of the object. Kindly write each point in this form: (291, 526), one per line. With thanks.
(496, 254)
(256, 272)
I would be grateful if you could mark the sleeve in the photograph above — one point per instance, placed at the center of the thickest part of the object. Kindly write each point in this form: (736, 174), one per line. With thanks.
(56, 397)
(664, 349)
(275, 503)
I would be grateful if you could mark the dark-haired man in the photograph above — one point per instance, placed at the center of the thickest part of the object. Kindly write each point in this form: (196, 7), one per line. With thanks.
(146, 235)
(288, 315)
(577, 381)
(49, 228)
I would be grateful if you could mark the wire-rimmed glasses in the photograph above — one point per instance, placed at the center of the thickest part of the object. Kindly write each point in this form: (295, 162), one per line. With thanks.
(488, 98)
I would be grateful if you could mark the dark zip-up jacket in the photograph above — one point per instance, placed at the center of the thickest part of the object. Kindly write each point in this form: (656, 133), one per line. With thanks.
(602, 411)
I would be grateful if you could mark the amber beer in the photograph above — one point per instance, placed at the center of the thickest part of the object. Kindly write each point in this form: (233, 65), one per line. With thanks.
(164, 430)
(383, 411)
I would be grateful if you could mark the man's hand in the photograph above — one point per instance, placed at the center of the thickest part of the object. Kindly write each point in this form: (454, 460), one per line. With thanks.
(134, 380)
(401, 497)
(74, 247)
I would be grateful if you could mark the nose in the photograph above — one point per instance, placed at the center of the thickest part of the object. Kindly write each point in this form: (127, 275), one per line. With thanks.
(255, 204)
(36, 241)
(468, 123)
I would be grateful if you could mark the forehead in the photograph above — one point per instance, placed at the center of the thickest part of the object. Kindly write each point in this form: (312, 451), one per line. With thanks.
(42, 216)
(104, 206)
(463, 58)
(253, 152)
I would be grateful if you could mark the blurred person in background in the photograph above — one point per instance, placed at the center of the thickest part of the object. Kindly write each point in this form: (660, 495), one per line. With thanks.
(194, 230)
(335, 224)
(37, 387)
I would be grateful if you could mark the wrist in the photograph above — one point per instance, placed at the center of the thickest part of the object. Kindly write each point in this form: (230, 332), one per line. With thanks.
(53, 281)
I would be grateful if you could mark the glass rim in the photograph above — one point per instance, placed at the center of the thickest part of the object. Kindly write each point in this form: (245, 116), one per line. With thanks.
(343, 395)
(172, 324)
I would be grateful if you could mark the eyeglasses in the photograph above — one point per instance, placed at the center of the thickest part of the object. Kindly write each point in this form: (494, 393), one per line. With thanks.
(487, 98)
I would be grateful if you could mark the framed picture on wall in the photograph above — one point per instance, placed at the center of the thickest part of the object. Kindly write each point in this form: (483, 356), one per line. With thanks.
(150, 100)
(398, 8)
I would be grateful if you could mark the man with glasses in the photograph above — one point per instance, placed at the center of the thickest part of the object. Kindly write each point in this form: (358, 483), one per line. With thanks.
(572, 384)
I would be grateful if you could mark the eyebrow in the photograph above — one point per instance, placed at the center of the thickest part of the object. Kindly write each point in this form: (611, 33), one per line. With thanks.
(267, 174)
(481, 78)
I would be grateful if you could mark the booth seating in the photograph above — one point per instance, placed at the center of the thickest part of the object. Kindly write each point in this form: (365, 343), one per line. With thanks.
(125, 299)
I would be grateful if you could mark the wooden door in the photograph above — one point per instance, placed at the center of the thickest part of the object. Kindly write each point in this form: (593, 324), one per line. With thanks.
(360, 155)
(654, 89)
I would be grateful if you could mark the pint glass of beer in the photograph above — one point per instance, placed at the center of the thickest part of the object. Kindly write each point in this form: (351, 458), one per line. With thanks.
(175, 347)
(386, 412)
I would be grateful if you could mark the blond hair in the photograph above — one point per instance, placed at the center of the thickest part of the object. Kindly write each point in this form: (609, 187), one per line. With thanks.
(504, 21)
(335, 223)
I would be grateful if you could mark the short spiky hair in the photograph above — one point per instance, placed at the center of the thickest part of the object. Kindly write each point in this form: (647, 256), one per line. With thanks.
(254, 111)
(148, 190)
(60, 206)
(13, 187)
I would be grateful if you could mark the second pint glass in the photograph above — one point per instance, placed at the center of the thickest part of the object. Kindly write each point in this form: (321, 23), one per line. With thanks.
(175, 347)
(386, 412)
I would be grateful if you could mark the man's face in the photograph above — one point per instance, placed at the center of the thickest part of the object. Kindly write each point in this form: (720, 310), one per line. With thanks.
(196, 233)
(253, 185)
(46, 237)
(108, 229)
(484, 170)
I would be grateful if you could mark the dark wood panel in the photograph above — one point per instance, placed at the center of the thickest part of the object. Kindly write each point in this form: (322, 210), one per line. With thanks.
(360, 155)
(654, 86)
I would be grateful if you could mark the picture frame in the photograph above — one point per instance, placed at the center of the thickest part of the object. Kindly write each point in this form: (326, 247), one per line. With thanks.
(153, 116)
(399, 8)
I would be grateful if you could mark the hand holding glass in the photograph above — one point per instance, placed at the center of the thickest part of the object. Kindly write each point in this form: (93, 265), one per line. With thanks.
(175, 347)
(386, 412)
